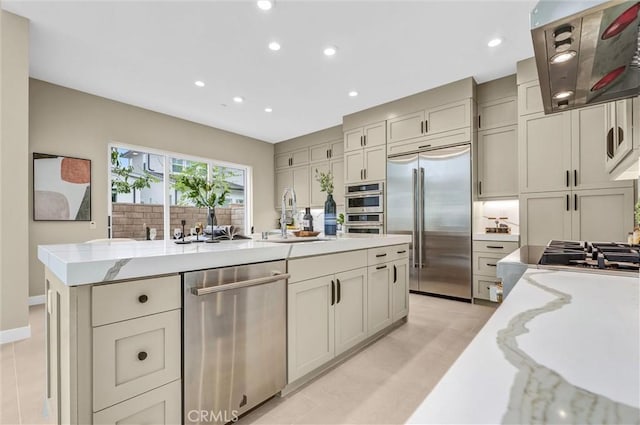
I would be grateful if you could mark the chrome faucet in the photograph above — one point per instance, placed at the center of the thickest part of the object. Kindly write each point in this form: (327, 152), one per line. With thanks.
(283, 217)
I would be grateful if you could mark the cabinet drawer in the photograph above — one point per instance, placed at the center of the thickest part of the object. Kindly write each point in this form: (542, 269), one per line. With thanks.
(135, 356)
(385, 254)
(481, 286)
(160, 406)
(485, 263)
(499, 247)
(433, 141)
(127, 300)
(324, 265)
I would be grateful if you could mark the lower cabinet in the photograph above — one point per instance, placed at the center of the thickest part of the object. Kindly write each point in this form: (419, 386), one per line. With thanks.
(379, 293)
(400, 289)
(327, 316)
(486, 255)
(156, 407)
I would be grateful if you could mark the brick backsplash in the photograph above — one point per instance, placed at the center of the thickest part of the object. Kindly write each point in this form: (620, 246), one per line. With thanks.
(129, 220)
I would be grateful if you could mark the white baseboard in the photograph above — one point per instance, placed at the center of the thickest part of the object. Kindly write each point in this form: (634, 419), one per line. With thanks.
(37, 299)
(16, 334)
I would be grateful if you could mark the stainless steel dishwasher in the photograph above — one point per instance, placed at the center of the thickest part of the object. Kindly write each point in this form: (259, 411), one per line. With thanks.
(234, 340)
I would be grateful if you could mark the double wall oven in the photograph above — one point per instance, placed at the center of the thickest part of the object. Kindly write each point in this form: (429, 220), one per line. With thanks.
(364, 204)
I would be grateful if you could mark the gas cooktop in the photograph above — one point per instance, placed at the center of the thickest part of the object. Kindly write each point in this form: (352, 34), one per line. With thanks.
(596, 256)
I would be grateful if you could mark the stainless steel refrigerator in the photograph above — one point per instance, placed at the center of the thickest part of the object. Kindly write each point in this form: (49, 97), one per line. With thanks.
(429, 197)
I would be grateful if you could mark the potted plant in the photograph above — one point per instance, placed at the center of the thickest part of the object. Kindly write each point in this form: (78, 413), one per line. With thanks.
(326, 185)
(202, 192)
(340, 221)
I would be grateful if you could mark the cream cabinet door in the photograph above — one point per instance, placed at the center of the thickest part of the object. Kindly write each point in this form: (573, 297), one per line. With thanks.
(353, 139)
(300, 157)
(354, 166)
(284, 179)
(301, 185)
(375, 134)
(602, 215)
(482, 286)
(379, 298)
(375, 163)
(529, 98)
(405, 127)
(497, 162)
(545, 216)
(319, 153)
(336, 149)
(448, 117)
(283, 160)
(317, 196)
(619, 131)
(350, 309)
(498, 113)
(310, 326)
(337, 169)
(135, 356)
(544, 150)
(400, 289)
(162, 406)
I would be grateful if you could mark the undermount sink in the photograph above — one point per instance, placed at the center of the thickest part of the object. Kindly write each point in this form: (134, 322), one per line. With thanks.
(294, 239)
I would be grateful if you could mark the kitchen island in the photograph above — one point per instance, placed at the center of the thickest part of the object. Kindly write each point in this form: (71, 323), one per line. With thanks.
(562, 348)
(116, 319)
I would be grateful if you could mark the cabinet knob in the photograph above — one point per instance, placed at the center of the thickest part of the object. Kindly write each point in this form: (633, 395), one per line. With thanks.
(143, 299)
(142, 355)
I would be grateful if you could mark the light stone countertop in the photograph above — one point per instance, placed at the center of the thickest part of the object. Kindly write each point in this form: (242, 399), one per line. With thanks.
(86, 263)
(562, 348)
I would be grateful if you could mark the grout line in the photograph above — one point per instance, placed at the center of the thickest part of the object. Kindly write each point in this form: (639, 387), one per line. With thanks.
(15, 372)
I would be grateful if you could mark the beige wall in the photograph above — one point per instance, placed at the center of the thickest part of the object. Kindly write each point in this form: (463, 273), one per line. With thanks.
(69, 122)
(14, 148)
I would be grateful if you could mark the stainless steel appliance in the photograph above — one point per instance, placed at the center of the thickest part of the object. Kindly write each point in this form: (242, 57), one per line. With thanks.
(234, 340)
(364, 198)
(584, 53)
(371, 223)
(429, 197)
(607, 257)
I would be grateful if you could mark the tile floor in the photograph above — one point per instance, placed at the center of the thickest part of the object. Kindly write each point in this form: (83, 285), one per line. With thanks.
(382, 384)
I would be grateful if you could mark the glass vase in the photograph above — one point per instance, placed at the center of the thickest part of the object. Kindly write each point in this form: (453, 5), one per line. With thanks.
(330, 216)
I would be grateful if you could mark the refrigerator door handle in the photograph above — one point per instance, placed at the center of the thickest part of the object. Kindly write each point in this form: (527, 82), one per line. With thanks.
(421, 213)
(414, 231)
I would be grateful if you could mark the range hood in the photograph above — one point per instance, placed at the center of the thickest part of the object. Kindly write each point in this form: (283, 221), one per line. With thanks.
(586, 52)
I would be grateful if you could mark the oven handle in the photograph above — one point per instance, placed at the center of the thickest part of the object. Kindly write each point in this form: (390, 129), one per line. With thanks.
(243, 284)
(363, 194)
(366, 224)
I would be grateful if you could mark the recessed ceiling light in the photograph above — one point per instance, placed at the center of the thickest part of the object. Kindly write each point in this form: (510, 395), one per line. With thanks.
(268, 109)
(134, 153)
(563, 57)
(330, 50)
(353, 93)
(274, 45)
(199, 83)
(495, 42)
(238, 99)
(265, 4)
(563, 94)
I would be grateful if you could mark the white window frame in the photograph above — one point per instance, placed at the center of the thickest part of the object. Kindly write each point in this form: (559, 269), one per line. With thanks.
(166, 210)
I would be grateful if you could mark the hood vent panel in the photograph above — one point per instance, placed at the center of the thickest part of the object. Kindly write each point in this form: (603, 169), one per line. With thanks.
(589, 57)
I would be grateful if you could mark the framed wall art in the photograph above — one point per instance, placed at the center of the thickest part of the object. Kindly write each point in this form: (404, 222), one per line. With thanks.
(61, 188)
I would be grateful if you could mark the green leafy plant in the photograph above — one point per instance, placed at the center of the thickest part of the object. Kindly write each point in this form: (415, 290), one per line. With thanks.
(197, 188)
(638, 214)
(340, 219)
(121, 175)
(325, 180)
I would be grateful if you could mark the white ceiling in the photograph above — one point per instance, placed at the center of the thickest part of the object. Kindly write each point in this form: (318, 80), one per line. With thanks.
(149, 53)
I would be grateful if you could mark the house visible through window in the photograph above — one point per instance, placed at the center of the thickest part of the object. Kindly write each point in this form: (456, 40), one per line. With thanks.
(147, 198)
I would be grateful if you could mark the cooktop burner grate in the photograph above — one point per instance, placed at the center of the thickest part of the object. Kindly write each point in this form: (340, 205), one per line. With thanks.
(592, 255)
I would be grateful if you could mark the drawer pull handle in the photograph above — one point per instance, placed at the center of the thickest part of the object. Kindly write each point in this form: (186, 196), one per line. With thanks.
(381, 267)
(143, 299)
(495, 247)
(142, 355)
(491, 265)
(402, 252)
(381, 255)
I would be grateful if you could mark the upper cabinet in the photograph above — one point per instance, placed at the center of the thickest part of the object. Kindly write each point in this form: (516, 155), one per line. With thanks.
(292, 159)
(363, 137)
(497, 113)
(431, 121)
(497, 162)
(619, 131)
(529, 98)
(326, 151)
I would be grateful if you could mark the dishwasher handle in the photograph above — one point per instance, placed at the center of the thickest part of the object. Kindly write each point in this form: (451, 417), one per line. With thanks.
(237, 285)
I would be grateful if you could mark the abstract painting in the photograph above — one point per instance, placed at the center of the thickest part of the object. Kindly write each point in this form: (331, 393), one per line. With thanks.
(61, 188)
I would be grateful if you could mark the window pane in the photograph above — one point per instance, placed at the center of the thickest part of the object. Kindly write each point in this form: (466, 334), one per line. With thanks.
(137, 194)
